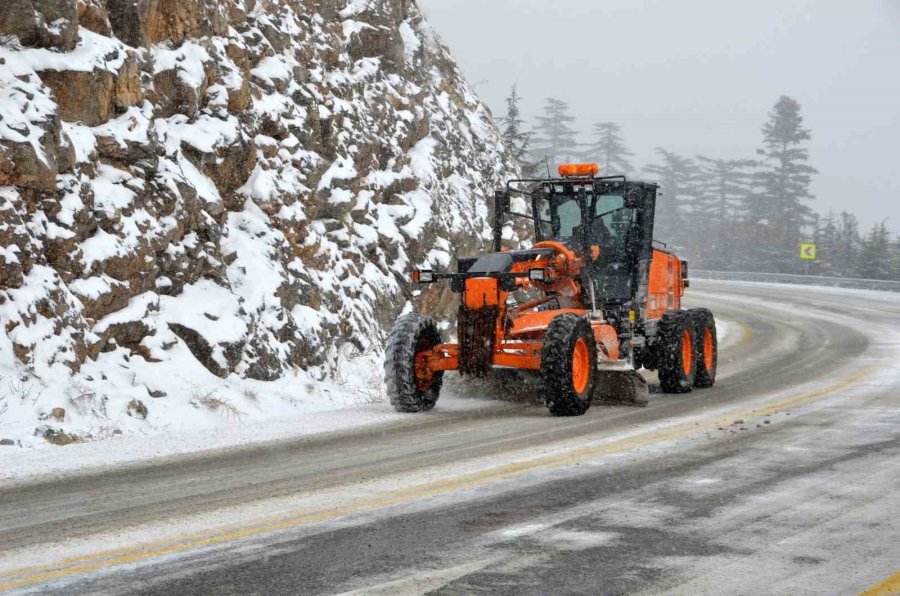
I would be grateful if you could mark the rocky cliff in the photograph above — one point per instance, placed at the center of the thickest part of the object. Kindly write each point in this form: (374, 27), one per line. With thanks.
(200, 197)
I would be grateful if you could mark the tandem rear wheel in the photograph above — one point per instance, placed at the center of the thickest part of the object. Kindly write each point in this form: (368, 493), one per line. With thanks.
(687, 351)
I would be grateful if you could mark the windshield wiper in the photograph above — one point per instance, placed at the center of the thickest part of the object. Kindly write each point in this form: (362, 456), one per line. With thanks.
(602, 215)
(532, 218)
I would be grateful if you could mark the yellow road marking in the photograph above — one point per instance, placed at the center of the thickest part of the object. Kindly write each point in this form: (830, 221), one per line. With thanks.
(889, 587)
(27, 576)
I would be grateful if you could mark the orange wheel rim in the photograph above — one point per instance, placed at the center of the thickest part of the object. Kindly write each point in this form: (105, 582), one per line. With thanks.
(581, 366)
(708, 349)
(424, 375)
(687, 352)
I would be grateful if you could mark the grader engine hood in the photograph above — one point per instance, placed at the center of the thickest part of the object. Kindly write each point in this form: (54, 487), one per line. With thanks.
(501, 262)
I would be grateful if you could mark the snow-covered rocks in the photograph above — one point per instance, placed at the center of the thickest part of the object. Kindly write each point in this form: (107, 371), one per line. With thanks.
(223, 198)
(40, 23)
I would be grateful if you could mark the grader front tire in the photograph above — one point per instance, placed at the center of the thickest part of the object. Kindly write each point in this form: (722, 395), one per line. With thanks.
(409, 387)
(569, 365)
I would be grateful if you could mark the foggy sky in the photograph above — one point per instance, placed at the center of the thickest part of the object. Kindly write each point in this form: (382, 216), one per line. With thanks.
(700, 76)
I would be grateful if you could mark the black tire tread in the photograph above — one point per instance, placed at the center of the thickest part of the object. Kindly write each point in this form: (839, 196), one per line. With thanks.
(671, 374)
(556, 365)
(703, 318)
(410, 333)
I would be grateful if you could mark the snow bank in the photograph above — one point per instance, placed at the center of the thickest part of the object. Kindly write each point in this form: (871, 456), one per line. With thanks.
(208, 218)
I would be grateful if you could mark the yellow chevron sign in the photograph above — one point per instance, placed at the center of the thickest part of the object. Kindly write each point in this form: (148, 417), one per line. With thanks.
(808, 252)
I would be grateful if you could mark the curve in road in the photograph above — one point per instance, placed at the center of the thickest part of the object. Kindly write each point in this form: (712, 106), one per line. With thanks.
(798, 346)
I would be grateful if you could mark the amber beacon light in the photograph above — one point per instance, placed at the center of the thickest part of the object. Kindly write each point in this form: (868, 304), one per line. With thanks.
(579, 169)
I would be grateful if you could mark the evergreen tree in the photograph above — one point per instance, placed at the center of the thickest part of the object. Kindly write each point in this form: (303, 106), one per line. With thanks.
(784, 182)
(848, 245)
(677, 176)
(723, 188)
(608, 149)
(895, 259)
(516, 139)
(875, 256)
(827, 243)
(725, 185)
(555, 138)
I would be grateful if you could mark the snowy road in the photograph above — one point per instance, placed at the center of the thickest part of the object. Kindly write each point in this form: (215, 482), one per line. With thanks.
(784, 478)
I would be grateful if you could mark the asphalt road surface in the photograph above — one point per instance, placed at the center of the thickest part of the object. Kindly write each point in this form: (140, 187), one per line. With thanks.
(782, 479)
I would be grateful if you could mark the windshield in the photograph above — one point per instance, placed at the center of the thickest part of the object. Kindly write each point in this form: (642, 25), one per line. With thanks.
(609, 224)
(567, 218)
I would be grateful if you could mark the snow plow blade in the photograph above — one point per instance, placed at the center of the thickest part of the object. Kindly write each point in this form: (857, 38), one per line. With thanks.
(622, 387)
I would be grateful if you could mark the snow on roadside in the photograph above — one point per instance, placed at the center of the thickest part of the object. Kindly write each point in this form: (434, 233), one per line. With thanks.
(291, 423)
(723, 330)
(861, 292)
(188, 399)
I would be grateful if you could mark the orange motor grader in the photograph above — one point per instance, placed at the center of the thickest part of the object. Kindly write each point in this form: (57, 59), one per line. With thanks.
(591, 301)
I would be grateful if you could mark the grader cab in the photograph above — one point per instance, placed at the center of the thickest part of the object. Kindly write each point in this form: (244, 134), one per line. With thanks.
(591, 301)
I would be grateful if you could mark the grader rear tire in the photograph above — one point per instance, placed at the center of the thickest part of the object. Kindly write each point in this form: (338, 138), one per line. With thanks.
(707, 347)
(676, 352)
(409, 389)
(569, 365)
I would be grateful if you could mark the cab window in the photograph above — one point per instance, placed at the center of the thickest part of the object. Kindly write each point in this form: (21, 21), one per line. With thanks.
(612, 223)
(567, 218)
(569, 213)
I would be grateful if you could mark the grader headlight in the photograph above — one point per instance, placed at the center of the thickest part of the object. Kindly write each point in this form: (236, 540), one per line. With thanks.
(425, 276)
(539, 274)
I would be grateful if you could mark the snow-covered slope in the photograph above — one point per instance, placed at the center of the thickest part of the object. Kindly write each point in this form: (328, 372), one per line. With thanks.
(208, 210)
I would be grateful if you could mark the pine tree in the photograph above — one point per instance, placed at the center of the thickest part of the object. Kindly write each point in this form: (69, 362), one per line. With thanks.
(784, 181)
(895, 259)
(875, 256)
(848, 243)
(516, 139)
(827, 243)
(723, 188)
(608, 149)
(678, 177)
(555, 138)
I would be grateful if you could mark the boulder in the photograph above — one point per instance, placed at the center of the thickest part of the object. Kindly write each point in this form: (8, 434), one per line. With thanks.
(93, 16)
(137, 408)
(15, 248)
(143, 23)
(21, 165)
(93, 97)
(129, 334)
(377, 41)
(41, 23)
(228, 167)
(130, 139)
(82, 96)
(172, 94)
(56, 436)
(203, 351)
